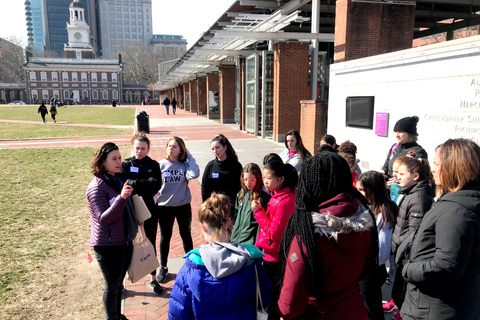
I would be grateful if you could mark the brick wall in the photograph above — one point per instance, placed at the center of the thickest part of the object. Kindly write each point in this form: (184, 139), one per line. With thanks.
(291, 68)
(212, 85)
(202, 95)
(193, 97)
(186, 88)
(367, 29)
(313, 123)
(227, 94)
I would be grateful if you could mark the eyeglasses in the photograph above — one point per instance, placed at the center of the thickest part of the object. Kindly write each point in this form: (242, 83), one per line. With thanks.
(249, 180)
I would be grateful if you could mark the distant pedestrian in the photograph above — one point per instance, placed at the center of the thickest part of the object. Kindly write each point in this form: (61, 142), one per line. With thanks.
(114, 103)
(43, 111)
(53, 112)
(166, 103)
(174, 105)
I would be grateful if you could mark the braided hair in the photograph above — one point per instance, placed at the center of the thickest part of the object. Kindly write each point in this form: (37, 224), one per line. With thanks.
(323, 177)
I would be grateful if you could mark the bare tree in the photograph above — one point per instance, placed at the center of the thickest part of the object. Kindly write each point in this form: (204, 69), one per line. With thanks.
(141, 63)
(11, 64)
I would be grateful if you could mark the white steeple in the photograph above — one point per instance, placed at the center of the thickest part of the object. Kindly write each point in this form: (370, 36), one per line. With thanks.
(78, 30)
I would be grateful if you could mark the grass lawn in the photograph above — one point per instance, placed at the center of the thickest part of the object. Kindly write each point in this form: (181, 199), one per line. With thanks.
(10, 131)
(72, 114)
(45, 227)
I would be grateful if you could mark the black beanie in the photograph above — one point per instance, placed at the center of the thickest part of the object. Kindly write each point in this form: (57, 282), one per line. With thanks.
(407, 124)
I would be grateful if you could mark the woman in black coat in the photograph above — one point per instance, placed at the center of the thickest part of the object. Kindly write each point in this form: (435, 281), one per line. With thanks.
(443, 272)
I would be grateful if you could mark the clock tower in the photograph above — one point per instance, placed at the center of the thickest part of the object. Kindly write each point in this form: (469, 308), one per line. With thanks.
(78, 46)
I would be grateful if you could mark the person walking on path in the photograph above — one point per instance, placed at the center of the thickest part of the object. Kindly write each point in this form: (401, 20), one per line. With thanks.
(43, 111)
(53, 112)
(174, 197)
(166, 103)
(143, 174)
(174, 105)
(443, 268)
(113, 224)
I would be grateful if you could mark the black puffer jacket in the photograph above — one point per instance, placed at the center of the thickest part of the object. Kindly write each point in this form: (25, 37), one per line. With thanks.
(146, 176)
(416, 201)
(401, 150)
(443, 274)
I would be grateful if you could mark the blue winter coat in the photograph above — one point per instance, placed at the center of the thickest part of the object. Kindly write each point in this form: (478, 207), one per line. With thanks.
(196, 294)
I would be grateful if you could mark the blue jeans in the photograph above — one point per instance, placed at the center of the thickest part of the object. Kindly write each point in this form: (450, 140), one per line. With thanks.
(167, 107)
(114, 262)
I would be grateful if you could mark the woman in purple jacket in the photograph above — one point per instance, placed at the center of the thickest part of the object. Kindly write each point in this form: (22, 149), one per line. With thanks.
(113, 224)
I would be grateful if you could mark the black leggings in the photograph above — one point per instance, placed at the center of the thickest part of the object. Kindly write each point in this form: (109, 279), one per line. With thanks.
(53, 116)
(114, 262)
(371, 290)
(166, 217)
(151, 227)
(271, 268)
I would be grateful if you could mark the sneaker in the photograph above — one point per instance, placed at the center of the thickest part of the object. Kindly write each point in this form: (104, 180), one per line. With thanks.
(157, 289)
(389, 306)
(162, 275)
(397, 316)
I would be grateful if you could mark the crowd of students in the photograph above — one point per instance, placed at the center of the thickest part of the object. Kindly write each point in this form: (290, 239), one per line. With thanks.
(307, 237)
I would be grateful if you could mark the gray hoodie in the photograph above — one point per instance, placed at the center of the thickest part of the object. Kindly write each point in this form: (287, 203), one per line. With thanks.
(224, 258)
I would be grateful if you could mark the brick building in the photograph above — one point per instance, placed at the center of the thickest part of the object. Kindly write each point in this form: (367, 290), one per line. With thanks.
(276, 56)
(74, 80)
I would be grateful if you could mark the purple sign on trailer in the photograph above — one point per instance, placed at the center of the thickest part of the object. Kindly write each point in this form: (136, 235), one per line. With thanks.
(381, 123)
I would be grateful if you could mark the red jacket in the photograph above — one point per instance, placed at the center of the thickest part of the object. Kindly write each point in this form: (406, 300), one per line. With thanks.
(343, 243)
(273, 222)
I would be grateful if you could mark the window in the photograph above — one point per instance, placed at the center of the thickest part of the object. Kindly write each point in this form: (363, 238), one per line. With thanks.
(95, 94)
(34, 94)
(54, 76)
(74, 76)
(45, 95)
(78, 54)
(114, 77)
(104, 77)
(105, 95)
(84, 94)
(94, 77)
(66, 94)
(65, 76)
(359, 112)
(33, 76)
(56, 94)
(84, 76)
(43, 76)
(115, 95)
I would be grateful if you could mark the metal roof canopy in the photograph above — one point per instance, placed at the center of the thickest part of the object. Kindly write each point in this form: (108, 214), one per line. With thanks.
(249, 24)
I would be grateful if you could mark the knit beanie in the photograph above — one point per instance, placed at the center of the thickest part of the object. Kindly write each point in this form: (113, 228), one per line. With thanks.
(407, 124)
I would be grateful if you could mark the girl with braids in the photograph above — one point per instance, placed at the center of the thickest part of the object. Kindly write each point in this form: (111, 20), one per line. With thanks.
(294, 153)
(281, 180)
(371, 185)
(245, 229)
(330, 244)
(348, 150)
(222, 174)
(218, 280)
(416, 198)
(443, 270)
(145, 177)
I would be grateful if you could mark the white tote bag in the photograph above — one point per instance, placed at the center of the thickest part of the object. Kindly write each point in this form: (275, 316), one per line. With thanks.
(261, 313)
(144, 260)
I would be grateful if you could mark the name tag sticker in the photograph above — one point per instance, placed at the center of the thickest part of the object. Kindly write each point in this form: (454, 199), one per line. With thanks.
(215, 175)
(134, 169)
(166, 174)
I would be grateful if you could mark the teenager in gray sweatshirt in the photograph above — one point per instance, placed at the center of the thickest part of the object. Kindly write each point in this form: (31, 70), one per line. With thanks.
(174, 198)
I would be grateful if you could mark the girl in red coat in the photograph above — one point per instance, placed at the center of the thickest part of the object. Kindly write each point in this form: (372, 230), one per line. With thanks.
(280, 179)
(329, 245)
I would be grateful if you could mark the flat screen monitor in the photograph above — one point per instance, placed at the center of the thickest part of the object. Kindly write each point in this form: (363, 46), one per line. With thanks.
(359, 112)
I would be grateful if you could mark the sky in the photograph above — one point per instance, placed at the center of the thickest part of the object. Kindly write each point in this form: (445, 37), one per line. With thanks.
(189, 18)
